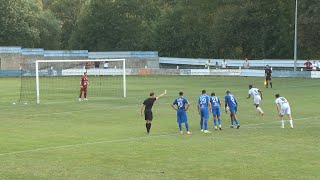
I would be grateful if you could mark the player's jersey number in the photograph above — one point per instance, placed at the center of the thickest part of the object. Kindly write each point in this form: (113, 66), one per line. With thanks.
(215, 102)
(232, 100)
(203, 101)
(180, 104)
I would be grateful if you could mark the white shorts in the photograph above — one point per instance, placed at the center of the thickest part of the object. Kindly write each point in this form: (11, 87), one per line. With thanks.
(256, 99)
(285, 110)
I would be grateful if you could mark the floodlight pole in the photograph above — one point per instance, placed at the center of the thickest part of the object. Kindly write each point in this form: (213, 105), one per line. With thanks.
(295, 36)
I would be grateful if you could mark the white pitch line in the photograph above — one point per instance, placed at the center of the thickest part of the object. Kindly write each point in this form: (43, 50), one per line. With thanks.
(121, 140)
(84, 144)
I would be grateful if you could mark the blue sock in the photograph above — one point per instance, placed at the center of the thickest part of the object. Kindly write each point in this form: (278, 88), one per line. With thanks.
(180, 127)
(201, 123)
(187, 126)
(219, 121)
(215, 122)
(232, 122)
(206, 124)
(236, 122)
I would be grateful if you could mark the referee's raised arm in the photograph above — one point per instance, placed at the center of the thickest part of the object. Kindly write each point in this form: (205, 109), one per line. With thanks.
(165, 92)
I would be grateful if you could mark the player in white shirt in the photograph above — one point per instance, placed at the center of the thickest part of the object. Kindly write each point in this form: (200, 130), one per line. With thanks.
(283, 107)
(257, 96)
(314, 66)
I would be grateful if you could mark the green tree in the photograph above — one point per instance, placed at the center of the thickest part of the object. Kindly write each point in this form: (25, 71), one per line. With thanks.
(116, 25)
(18, 23)
(308, 29)
(261, 29)
(183, 31)
(50, 31)
(67, 12)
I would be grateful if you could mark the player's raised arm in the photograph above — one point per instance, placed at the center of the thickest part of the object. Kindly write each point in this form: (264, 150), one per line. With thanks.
(165, 92)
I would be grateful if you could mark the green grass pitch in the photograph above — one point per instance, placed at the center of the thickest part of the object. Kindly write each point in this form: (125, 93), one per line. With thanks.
(105, 138)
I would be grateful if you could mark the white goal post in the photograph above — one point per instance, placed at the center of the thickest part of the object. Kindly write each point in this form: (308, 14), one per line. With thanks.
(76, 72)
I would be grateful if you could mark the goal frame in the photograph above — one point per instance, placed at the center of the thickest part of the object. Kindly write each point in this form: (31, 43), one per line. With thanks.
(82, 60)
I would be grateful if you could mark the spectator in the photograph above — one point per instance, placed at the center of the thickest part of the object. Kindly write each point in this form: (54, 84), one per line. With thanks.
(314, 66)
(224, 64)
(50, 71)
(246, 64)
(308, 65)
(106, 65)
(87, 65)
(217, 65)
(207, 65)
(96, 64)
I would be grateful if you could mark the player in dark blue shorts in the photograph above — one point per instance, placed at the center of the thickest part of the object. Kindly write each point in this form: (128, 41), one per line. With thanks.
(181, 105)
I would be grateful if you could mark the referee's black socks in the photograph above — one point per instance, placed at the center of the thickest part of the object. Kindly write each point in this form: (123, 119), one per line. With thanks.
(148, 127)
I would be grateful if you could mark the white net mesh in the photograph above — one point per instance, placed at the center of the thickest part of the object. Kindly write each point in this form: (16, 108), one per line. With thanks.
(60, 81)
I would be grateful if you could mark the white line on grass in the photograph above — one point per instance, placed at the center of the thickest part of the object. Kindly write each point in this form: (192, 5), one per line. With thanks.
(84, 144)
(126, 139)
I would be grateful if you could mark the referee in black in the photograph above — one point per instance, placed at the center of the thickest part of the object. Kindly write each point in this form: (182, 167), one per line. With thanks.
(268, 76)
(147, 107)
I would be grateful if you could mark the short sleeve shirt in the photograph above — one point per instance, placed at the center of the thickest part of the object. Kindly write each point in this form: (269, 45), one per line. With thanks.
(149, 103)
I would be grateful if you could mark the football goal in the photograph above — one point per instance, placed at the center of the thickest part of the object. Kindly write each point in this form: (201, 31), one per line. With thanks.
(60, 80)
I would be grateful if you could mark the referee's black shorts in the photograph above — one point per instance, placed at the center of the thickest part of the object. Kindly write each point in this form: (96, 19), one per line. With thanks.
(148, 115)
(268, 78)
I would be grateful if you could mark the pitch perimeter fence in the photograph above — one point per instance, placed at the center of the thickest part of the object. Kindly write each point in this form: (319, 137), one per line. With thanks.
(177, 72)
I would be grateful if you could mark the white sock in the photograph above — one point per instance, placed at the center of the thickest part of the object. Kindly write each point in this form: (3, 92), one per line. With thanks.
(259, 109)
(220, 125)
(291, 123)
(282, 123)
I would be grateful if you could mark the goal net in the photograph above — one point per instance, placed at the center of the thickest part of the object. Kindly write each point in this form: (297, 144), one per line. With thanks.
(59, 80)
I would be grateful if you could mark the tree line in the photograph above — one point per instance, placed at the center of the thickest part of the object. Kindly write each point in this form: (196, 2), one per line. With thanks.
(256, 29)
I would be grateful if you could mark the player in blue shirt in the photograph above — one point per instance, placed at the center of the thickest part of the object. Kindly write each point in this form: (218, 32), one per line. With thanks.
(204, 107)
(231, 102)
(215, 103)
(179, 105)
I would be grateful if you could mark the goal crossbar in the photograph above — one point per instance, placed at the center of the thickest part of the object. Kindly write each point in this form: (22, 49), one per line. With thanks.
(80, 60)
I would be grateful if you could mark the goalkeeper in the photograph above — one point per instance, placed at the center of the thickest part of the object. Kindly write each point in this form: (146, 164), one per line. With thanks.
(83, 86)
